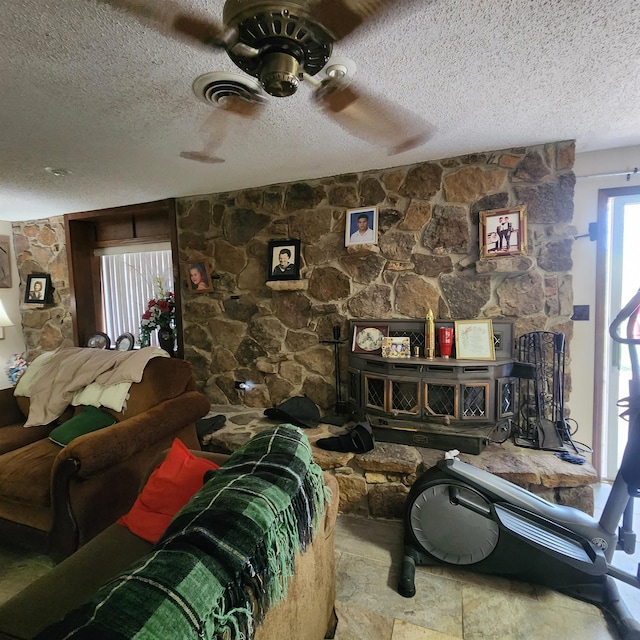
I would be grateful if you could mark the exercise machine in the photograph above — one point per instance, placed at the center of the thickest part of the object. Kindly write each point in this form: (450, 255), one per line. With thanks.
(458, 515)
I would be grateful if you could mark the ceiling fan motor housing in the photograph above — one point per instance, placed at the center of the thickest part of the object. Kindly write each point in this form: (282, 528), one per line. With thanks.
(288, 39)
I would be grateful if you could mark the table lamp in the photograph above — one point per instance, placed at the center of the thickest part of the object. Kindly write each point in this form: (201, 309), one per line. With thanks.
(5, 321)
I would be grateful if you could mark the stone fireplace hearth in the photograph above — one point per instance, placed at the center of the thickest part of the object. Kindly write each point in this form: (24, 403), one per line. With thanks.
(376, 484)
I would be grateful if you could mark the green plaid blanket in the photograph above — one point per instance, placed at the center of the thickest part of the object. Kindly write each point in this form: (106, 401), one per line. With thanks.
(225, 557)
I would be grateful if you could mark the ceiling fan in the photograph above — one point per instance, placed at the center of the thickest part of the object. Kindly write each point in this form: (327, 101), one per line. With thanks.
(281, 43)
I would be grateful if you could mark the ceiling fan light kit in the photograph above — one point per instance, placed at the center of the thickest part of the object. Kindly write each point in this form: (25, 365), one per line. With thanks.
(287, 38)
(281, 44)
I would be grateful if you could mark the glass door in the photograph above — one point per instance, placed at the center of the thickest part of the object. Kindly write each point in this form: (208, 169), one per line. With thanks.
(622, 278)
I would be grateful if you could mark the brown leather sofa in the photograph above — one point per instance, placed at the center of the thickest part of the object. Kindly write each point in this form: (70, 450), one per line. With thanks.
(307, 613)
(55, 499)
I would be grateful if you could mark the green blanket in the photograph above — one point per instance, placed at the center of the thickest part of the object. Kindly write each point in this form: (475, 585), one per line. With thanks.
(226, 556)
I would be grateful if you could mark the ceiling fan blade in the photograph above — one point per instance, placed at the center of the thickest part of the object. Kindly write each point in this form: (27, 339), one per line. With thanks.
(170, 18)
(242, 106)
(201, 156)
(373, 118)
(216, 125)
(341, 17)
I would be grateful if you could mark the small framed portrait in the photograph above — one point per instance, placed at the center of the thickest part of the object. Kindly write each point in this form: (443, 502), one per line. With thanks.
(39, 289)
(99, 340)
(198, 276)
(399, 347)
(125, 342)
(503, 232)
(361, 226)
(283, 260)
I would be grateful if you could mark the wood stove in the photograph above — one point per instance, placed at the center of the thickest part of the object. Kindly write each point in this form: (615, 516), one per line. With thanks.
(440, 403)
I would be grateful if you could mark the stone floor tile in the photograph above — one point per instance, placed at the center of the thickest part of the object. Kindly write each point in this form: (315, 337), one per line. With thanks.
(490, 614)
(373, 585)
(467, 576)
(557, 600)
(372, 539)
(355, 623)
(403, 630)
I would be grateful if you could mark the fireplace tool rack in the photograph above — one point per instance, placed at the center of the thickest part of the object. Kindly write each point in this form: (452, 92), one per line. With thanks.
(541, 371)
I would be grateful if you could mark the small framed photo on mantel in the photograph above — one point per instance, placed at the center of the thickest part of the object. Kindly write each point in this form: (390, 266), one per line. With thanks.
(283, 260)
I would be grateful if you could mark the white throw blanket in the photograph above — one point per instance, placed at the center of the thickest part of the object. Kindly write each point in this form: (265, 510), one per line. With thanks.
(66, 371)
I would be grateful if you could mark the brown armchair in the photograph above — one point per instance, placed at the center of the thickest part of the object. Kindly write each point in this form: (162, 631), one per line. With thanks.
(56, 499)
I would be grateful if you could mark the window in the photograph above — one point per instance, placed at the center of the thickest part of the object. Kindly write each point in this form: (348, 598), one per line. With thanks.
(128, 281)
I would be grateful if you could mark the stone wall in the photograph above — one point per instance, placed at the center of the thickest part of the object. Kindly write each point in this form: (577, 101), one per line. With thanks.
(427, 257)
(40, 247)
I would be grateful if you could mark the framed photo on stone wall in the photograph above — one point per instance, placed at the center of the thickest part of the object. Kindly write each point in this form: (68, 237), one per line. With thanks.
(5, 263)
(39, 289)
(503, 232)
(361, 226)
(198, 276)
(283, 260)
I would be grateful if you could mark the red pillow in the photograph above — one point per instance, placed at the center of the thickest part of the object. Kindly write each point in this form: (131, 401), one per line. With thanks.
(168, 489)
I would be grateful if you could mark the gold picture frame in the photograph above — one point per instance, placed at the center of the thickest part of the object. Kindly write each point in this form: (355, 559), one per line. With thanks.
(474, 340)
(503, 232)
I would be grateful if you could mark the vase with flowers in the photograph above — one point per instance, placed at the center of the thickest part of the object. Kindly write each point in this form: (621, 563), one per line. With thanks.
(159, 316)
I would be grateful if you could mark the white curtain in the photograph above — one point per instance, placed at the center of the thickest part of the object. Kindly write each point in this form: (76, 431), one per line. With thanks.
(129, 281)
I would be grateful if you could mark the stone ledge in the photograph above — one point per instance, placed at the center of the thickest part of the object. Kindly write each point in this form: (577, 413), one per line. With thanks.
(505, 264)
(376, 483)
(288, 285)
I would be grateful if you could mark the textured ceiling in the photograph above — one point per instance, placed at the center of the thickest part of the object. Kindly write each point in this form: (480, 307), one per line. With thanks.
(88, 89)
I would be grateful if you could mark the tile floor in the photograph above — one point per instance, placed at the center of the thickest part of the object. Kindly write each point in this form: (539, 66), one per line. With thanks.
(448, 603)
(452, 603)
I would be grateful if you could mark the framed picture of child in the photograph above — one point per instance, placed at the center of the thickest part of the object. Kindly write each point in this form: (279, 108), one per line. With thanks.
(198, 276)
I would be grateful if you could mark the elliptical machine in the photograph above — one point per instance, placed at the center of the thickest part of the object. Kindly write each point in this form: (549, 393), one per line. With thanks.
(461, 516)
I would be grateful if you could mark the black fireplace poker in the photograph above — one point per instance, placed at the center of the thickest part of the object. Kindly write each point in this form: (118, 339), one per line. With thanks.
(341, 405)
